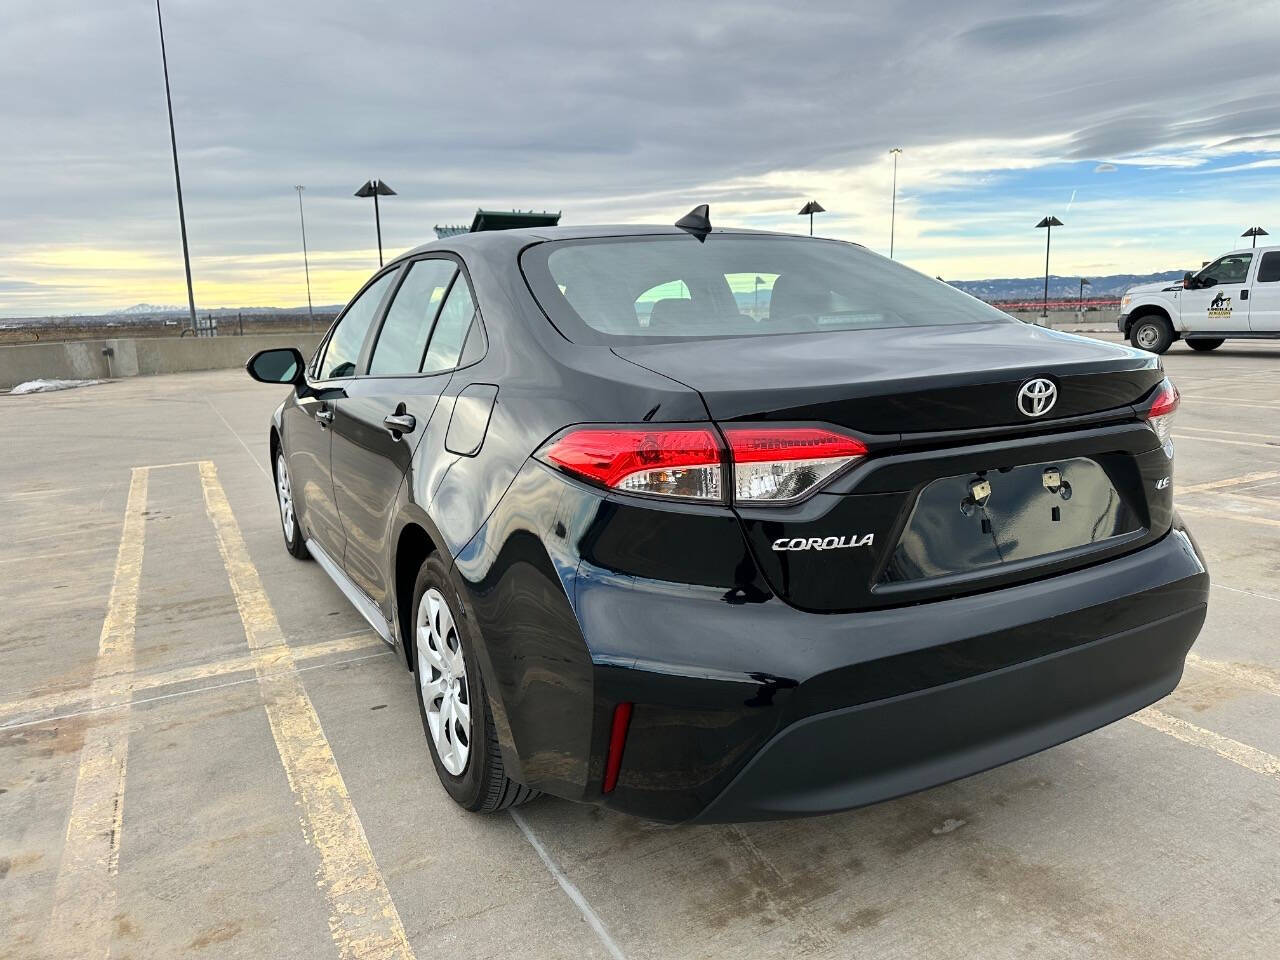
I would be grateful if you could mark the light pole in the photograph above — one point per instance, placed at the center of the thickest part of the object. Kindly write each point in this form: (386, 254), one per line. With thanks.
(177, 178)
(1084, 282)
(305, 265)
(376, 189)
(755, 306)
(1048, 223)
(893, 207)
(812, 207)
(1255, 232)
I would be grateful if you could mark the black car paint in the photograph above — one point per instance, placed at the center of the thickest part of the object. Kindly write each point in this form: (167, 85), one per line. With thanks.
(585, 598)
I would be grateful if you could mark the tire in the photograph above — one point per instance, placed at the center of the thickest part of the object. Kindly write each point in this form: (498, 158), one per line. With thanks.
(1204, 346)
(467, 761)
(1152, 333)
(289, 526)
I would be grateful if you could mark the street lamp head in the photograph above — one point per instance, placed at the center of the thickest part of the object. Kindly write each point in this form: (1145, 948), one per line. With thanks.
(895, 149)
(1049, 222)
(375, 188)
(813, 206)
(1255, 232)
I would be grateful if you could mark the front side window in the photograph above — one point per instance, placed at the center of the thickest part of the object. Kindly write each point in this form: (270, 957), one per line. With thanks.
(1232, 268)
(343, 351)
(634, 289)
(404, 333)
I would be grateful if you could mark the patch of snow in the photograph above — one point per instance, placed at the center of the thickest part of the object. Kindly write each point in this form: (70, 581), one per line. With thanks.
(47, 386)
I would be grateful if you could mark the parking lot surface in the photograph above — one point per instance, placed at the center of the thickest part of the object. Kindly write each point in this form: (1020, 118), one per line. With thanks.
(205, 752)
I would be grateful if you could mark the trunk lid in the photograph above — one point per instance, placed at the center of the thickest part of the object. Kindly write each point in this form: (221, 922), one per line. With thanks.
(904, 379)
(962, 491)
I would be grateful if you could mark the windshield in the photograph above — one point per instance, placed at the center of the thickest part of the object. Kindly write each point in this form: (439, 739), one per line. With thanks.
(628, 289)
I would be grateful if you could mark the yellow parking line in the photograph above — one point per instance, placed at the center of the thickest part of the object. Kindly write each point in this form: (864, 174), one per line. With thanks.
(1234, 443)
(84, 892)
(1251, 675)
(1228, 515)
(1228, 482)
(363, 921)
(119, 689)
(1251, 758)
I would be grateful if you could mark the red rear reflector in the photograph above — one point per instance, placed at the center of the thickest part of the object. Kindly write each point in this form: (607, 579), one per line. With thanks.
(617, 740)
(668, 461)
(1166, 402)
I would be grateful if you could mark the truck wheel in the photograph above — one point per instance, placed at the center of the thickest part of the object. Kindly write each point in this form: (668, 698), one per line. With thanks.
(1205, 345)
(1151, 333)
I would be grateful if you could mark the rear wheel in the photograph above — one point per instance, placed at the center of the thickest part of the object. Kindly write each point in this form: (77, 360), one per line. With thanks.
(452, 701)
(293, 541)
(1205, 345)
(1152, 333)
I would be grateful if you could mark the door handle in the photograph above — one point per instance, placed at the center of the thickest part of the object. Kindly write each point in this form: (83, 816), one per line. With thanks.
(1244, 294)
(324, 416)
(399, 423)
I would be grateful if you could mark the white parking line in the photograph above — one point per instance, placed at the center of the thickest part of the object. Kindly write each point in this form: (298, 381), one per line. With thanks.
(572, 892)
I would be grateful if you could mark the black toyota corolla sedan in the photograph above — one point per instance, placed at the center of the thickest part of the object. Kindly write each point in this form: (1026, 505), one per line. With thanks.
(721, 525)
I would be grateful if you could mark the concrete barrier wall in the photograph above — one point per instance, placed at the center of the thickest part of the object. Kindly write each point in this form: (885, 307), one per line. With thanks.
(84, 359)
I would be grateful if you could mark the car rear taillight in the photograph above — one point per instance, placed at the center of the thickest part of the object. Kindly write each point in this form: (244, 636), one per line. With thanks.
(768, 464)
(781, 464)
(1160, 416)
(681, 462)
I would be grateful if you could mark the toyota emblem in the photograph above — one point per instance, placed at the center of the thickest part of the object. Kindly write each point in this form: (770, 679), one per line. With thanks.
(1037, 397)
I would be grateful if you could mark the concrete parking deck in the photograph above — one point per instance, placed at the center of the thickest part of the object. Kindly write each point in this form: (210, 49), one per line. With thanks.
(204, 751)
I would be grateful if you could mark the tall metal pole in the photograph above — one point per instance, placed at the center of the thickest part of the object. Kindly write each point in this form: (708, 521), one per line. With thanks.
(811, 223)
(177, 177)
(305, 265)
(1048, 234)
(893, 207)
(377, 219)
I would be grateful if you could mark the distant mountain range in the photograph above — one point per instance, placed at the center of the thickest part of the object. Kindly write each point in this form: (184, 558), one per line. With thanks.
(1060, 288)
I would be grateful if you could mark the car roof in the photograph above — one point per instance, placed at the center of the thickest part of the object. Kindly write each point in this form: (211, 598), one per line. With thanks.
(524, 236)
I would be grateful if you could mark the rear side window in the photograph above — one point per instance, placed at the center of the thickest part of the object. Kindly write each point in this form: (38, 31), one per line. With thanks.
(1269, 268)
(347, 339)
(403, 337)
(451, 328)
(633, 289)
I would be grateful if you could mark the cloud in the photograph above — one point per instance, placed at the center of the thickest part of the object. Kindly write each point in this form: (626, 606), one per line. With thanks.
(1105, 168)
(611, 113)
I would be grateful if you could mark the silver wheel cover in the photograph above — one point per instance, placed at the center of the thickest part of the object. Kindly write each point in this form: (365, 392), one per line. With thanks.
(442, 674)
(285, 493)
(1148, 336)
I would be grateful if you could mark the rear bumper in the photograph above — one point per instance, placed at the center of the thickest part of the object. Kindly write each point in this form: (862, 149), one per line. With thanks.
(877, 751)
(758, 711)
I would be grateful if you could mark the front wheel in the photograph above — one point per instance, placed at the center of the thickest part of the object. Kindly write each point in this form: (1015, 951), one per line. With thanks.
(1205, 345)
(451, 699)
(1152, 333)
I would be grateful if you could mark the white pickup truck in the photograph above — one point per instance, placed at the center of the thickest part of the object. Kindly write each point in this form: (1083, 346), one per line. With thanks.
(1235, 297)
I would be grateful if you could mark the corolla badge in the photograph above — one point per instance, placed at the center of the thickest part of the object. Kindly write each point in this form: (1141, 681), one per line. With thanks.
(1037, 397)
(824, 543)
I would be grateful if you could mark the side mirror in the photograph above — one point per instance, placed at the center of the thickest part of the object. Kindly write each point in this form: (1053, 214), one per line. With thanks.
(1188, 281)
(278, 365)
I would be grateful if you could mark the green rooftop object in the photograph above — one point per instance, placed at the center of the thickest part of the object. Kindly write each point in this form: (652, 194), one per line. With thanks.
(511, 219)
(450, 230)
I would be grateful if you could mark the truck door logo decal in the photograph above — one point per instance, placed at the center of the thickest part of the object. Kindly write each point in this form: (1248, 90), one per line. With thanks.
(1220, 307)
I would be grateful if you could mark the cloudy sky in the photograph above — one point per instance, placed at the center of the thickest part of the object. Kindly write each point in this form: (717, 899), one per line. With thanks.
(1151, 129)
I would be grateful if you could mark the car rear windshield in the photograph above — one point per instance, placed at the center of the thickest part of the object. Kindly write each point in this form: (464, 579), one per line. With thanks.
(643, 288)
